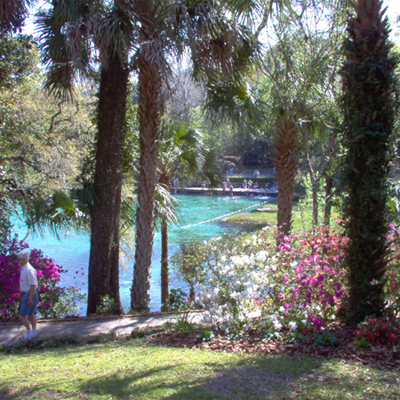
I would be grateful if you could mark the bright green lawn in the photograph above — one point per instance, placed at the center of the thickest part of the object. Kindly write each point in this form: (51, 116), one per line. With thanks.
(269, 217)
(133, 370)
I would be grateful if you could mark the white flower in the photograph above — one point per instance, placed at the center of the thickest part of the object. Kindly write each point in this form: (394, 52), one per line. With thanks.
(207, 319)
(277, 325)
(292, 326)
(237, 260)
(262, 255)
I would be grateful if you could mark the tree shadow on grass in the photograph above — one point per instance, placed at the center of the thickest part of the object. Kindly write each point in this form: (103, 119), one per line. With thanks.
(254, 378)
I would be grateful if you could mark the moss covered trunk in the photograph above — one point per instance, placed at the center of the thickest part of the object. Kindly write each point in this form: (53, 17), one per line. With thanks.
(368, 123)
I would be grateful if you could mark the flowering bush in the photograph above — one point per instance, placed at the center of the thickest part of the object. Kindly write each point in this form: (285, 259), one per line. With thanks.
(278, 283)
(306, 282)
(272, 283)
(376, 331)
(53, 301)
(392, 287)
(226, 284)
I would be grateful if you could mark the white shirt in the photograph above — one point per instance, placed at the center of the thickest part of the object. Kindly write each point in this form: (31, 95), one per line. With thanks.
(27, 278)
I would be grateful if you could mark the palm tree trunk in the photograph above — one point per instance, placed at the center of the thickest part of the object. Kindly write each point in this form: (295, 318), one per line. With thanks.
(285, 147)
(149, 120)
(104, 249)
(164, 180)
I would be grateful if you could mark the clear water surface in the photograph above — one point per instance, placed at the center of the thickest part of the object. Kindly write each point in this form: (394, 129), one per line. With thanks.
(200, 218)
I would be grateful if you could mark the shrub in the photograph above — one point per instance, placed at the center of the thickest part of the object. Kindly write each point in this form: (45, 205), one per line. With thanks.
(376, 330)
(54, 301)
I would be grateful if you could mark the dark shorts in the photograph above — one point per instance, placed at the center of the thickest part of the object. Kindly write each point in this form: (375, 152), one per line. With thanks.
(25, 309)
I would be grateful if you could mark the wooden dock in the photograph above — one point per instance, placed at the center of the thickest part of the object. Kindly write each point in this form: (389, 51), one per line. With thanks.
(226, 192)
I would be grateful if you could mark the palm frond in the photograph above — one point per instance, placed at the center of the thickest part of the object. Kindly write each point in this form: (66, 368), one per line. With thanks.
(166, 207)
(13, 14)
(60, 212)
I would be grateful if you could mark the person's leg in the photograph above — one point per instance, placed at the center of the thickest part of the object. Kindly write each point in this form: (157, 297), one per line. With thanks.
(32, 314)
(27, 325)
(25, 321)
(23, 312)
(32, 320)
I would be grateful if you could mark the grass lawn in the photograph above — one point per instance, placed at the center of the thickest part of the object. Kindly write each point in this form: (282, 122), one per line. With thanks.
(301, 221)
(130, 369)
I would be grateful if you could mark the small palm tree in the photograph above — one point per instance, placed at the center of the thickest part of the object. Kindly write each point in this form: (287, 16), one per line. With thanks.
(183, 155)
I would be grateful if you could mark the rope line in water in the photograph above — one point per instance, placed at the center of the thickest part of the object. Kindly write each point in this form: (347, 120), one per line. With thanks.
(223, 216)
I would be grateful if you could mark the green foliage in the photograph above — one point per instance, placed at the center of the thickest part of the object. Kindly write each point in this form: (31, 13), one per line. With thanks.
(106, 305)
(206, 335)
(305, 204)
(177, 301)
(18, 59)
(362, 342)
(295, 337)
(42, 148)
(68, 303)
(368, 109)
(181, 304)
(325, 338)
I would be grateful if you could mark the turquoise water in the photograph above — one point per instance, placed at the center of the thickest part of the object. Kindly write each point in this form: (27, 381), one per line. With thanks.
(200, 218)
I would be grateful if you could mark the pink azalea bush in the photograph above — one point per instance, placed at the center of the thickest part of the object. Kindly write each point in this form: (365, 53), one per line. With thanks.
(307, 281)
(282, 283)
(48, 274)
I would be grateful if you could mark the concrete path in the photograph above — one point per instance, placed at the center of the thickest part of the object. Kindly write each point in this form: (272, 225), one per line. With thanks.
(12, 333)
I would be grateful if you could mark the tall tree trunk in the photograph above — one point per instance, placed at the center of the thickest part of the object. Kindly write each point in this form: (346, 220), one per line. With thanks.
(368, 77)
(328, 200)
(149, 121)
(285, 148)
(104, 249)
(313, 178)
(164, 180)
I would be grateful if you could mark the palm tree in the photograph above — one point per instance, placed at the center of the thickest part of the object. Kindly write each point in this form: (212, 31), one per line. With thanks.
(184, 155)
(155, 30)
(286, 146)
(68, 31)
(167, 29)
(13, 14)
(368, 105)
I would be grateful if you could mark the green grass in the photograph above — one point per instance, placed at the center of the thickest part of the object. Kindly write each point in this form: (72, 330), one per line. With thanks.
(301, 220)
(269, 217)
(130, 369)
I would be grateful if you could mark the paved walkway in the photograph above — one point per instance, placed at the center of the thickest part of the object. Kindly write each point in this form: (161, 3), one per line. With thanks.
(12, 333)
